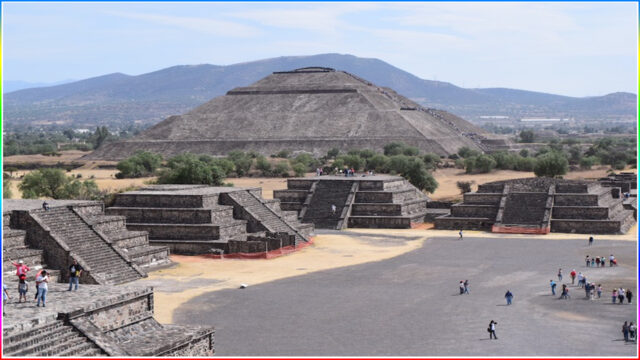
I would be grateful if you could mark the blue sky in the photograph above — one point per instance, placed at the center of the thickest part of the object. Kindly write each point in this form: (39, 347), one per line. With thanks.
(577, 49)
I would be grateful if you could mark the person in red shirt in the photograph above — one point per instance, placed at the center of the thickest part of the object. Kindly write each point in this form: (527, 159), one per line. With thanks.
(21, 268)
(573, 276)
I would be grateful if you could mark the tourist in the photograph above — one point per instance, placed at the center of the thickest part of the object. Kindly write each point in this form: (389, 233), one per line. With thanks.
(23, 287)
(614, 296)
(625, 331)
(621, 295)
(37, 284)
(599, 290)
(593, 262)
(632, 331)
(587, 290)
(602, 262)
(580, 278)
(611, 259)
(461, 287)
(75, 270)
(565, 292)
(560, 275)
(492, 330)
(466, 286)
(45, 206)
(590, 240)
(573, 276)
(43, 279)
(460, 233)
(597, 261)
(333, 209)
(592, 291)
(553, 287)
(509, 296)
(21, 268)
(5, 298)
(587, 260)
(629, 295)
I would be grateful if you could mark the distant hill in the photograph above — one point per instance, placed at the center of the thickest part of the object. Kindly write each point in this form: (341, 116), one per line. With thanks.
(15, 85)
(118, 100)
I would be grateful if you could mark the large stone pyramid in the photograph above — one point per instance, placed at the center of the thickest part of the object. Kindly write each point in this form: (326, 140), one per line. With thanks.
(308, 109)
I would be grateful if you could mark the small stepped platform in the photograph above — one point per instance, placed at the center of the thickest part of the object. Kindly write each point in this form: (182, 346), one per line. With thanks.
(380, 201)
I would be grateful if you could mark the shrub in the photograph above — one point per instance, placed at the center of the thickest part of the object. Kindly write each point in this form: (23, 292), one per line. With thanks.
(394, 148)
(307, 160)
(283, 154)
(378, 163)
(398, 164)
(333, 153)
(505, 160)
(419, 177)
(527, 136)
(263, 165)
(242, 162)
(281, 169)
(551, 164)
(53, 183)
(299, 169)
(479, 164)
(466, 152)
(189, 169)
(587, 162)
(352, 161)
(6, 189)
(140, 164)
(431, 160)
(525, 164)
(464, 186)
(524, 153)
(411, 151)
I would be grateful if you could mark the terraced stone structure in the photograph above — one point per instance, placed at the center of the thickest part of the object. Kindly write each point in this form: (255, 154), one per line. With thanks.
(97, 320)
(626, 181)
(378, 201)
(76, 230)
(200, 219)
(540, 206)
(311, 110)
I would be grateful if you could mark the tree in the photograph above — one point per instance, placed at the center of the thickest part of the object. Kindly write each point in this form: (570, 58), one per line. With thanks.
(281, 169)
(431, 160)
(189, 169)
(352, 161)
(398, 164)
(525, 164)
(587, 162)
(481, 164)
(575, 153)
(6, 188)
(551, 164)
(527, 136)
(140, 164)
(242, 162)
(378, 163)
(53, 183)
(419, 177)
(524, 153)
(100, 136)
(299, 169)
(263, 165)
(333, 153)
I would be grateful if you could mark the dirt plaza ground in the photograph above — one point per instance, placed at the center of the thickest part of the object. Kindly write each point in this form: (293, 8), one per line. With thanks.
(395, 292)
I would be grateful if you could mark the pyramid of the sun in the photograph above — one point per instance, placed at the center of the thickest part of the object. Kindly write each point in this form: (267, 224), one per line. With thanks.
(309, 109)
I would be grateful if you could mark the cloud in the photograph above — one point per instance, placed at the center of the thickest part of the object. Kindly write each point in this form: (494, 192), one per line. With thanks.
(197, 24)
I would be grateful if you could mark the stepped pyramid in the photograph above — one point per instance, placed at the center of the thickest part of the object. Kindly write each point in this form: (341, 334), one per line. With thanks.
(309, 109)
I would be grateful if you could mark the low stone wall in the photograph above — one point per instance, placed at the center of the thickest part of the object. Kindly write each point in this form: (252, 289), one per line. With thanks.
(290, 206)
(165, 200)
(236, 246)
(482, 198)
(89, 209)
(178, 231)
(457, 223)
(107, 223)
(290, 195)
(380, 222)
(439, 204)
(376, 209)
(572, 188)
(576, 200)
(580, 212)
(586, 226)
(374, 197)
(490, 188)
(298, 184)
(187, 247)
(464, 210)
(173, 216)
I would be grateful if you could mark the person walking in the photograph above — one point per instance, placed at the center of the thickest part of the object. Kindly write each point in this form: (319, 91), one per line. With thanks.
(580, 279)
(629, 295)
(602, 261)
(611, 258)
(333, 209)
(614, 296)
(509, 296)
(587, 290)
(43, 279)
(461, 287)
(37, 284)
(466, 286)
(560, 275)
(565, 292)
(621, 295)
(590, 240)
(5, 298)
(75, 270)
(553, 287)
(593, 262)
(23, 287)
(460, 233)
(588, 260)
(492, 330)
(592, 291)
(625, 331)
(599, 290)
(597, 261)
(632, 331)
(573, 276)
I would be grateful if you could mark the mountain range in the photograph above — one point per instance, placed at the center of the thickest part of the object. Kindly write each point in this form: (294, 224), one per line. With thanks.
(119, 100)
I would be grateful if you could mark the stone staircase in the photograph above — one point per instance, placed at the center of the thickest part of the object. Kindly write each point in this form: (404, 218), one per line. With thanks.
(54, 339)
(107, 266)
(268, 218)
(327, 193)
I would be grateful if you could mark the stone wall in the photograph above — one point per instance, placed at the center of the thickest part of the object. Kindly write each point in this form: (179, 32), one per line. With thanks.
(482, 198)
(585, 226)
(580, 212)
(576, 200)
(168, 200)
(484, 211)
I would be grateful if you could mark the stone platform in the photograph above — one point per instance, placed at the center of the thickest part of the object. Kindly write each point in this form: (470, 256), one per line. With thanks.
(372, 201)
(201, 219)
(539, 206)
(95, 321)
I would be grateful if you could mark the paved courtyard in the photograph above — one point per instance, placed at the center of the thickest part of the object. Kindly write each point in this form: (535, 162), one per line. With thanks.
(409, 305)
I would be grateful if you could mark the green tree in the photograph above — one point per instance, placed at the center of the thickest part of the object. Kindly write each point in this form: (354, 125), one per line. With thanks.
(587, 162)
(281, 169)
(333, 153)
(479, 164)
(242, 162)
(466, 152)
(524, 153)
(525, 164)
(394, 148)
(190, 169)
(6, 189)
(527, 136)
(352, 161)
(505, 160)
(263, 165)
(464, 186)
(378, 163)
(419, 177)
(551, 164)
(299, 169)
(140, 164)
(431, 160)
(398, 164)
(53, 183)
(100, 136)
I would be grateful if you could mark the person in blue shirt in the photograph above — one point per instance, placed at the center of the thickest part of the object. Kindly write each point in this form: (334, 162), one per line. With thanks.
(553, 287)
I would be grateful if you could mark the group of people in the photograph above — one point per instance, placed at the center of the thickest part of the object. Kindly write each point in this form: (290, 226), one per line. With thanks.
(42, 280)
(620, 294)
(600, 261)
(629, 331)
(464, 287)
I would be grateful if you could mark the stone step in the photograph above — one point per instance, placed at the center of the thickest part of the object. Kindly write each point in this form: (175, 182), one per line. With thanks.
(30, 256)
(20, 339)
(107, 223)
(70, 346)
(189, 231)
(191, 246)
(38, 344)
(79, 348)
(173, 215)
(126, 239)
(12, 238)
(448, 222)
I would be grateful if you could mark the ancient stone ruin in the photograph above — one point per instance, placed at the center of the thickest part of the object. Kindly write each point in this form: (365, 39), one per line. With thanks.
(311, 110)
(541, 205)
(200, 219)
(378, 201)
(98, 320)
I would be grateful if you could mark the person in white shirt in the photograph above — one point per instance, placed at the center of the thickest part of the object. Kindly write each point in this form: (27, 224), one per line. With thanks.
(43, 288)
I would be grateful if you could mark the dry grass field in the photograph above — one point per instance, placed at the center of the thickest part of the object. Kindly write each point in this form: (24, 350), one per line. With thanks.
(105, 178)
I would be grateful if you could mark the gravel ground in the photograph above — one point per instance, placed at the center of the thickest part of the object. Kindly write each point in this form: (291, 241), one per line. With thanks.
(409, 305)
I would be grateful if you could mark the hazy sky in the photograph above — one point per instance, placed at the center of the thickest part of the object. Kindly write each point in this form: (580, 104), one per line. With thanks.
(578, 49)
